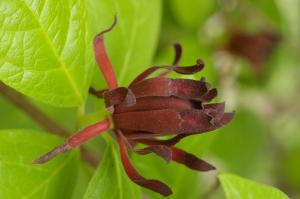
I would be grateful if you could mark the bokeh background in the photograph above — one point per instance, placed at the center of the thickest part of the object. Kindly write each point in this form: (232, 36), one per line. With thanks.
(251, 50)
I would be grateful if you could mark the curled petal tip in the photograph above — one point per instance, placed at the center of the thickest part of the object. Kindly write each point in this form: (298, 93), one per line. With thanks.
(227, 117)
(190, 160)
(108, 29)
(200, 62)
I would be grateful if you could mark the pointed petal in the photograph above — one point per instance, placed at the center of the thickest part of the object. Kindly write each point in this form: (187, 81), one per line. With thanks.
(178, 53)
(120, 95)
(170, 142)
(154, 121)
(182, 88)
(160, 150)
(190, 160)
(186, 70)
(195, 121)
(215, 110)
(170, 121)
(155, 103)
(154, 185)
(103, 59)
(226, 118)
(211, 94)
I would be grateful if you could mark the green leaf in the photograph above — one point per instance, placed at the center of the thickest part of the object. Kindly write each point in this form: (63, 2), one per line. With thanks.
(21, 179)
(131, 44)
(193, 13)
(84, 176)
(241, 188)
(46, 49)
(11, 112)
(290, 14)
(110, 180)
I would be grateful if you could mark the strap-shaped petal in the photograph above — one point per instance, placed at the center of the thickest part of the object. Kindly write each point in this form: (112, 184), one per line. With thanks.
(171, 121)
(160, 150)
(132, 173)
(186, 70)
(161, 86)
(215, 110)
(120, 95)
(178, 53)
(155, 103)
(178, 155)
(155, 121)
(103, 59)
(153, 141)
(190, 160)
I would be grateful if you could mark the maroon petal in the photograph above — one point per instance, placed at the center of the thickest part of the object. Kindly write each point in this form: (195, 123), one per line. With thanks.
(154, 185)
(155, 121)
(182, 88)
(103, 59)
(155, 103)
(190, 160)
(119, 95)
(211, 94)
(177, 58)
(168, 121)
(226, 118)
(187, 70)
(178, 53)
(160, 150)
(195, 121)
(170, 142)
(215, 110)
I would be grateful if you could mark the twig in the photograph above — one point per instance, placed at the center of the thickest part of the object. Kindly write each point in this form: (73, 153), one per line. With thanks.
(212, 190)
(42, 119)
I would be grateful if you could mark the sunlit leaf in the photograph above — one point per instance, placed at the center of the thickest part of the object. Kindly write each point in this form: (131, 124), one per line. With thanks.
(110, 180)
(21, 179)
(193, 13)
(46, 49)
(241, 188)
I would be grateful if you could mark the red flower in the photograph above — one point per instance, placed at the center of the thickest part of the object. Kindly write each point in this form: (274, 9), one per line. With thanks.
(256, 48)
(150, 108)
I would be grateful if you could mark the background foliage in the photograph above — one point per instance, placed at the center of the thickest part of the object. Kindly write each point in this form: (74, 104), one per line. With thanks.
(46, 54)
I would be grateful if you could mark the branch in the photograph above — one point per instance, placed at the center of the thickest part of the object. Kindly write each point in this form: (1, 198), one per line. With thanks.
(212, 190)
(42, 119)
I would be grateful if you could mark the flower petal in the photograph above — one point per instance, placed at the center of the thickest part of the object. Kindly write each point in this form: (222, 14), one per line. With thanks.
(103, 59)
(190, 160)
(155, 121)
(160, 150)
(211, 94)
(170, 121)
(155, 103)
(186, 70)
(153, 141)
(120, 95)
(215, 110)
(178, 53)
(154, 185)
(160, 86)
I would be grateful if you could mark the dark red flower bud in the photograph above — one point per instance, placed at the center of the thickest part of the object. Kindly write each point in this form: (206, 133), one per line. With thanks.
(150, 108)
(254, 47)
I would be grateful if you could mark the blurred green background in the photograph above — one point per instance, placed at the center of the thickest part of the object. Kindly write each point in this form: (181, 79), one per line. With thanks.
(251, 50)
